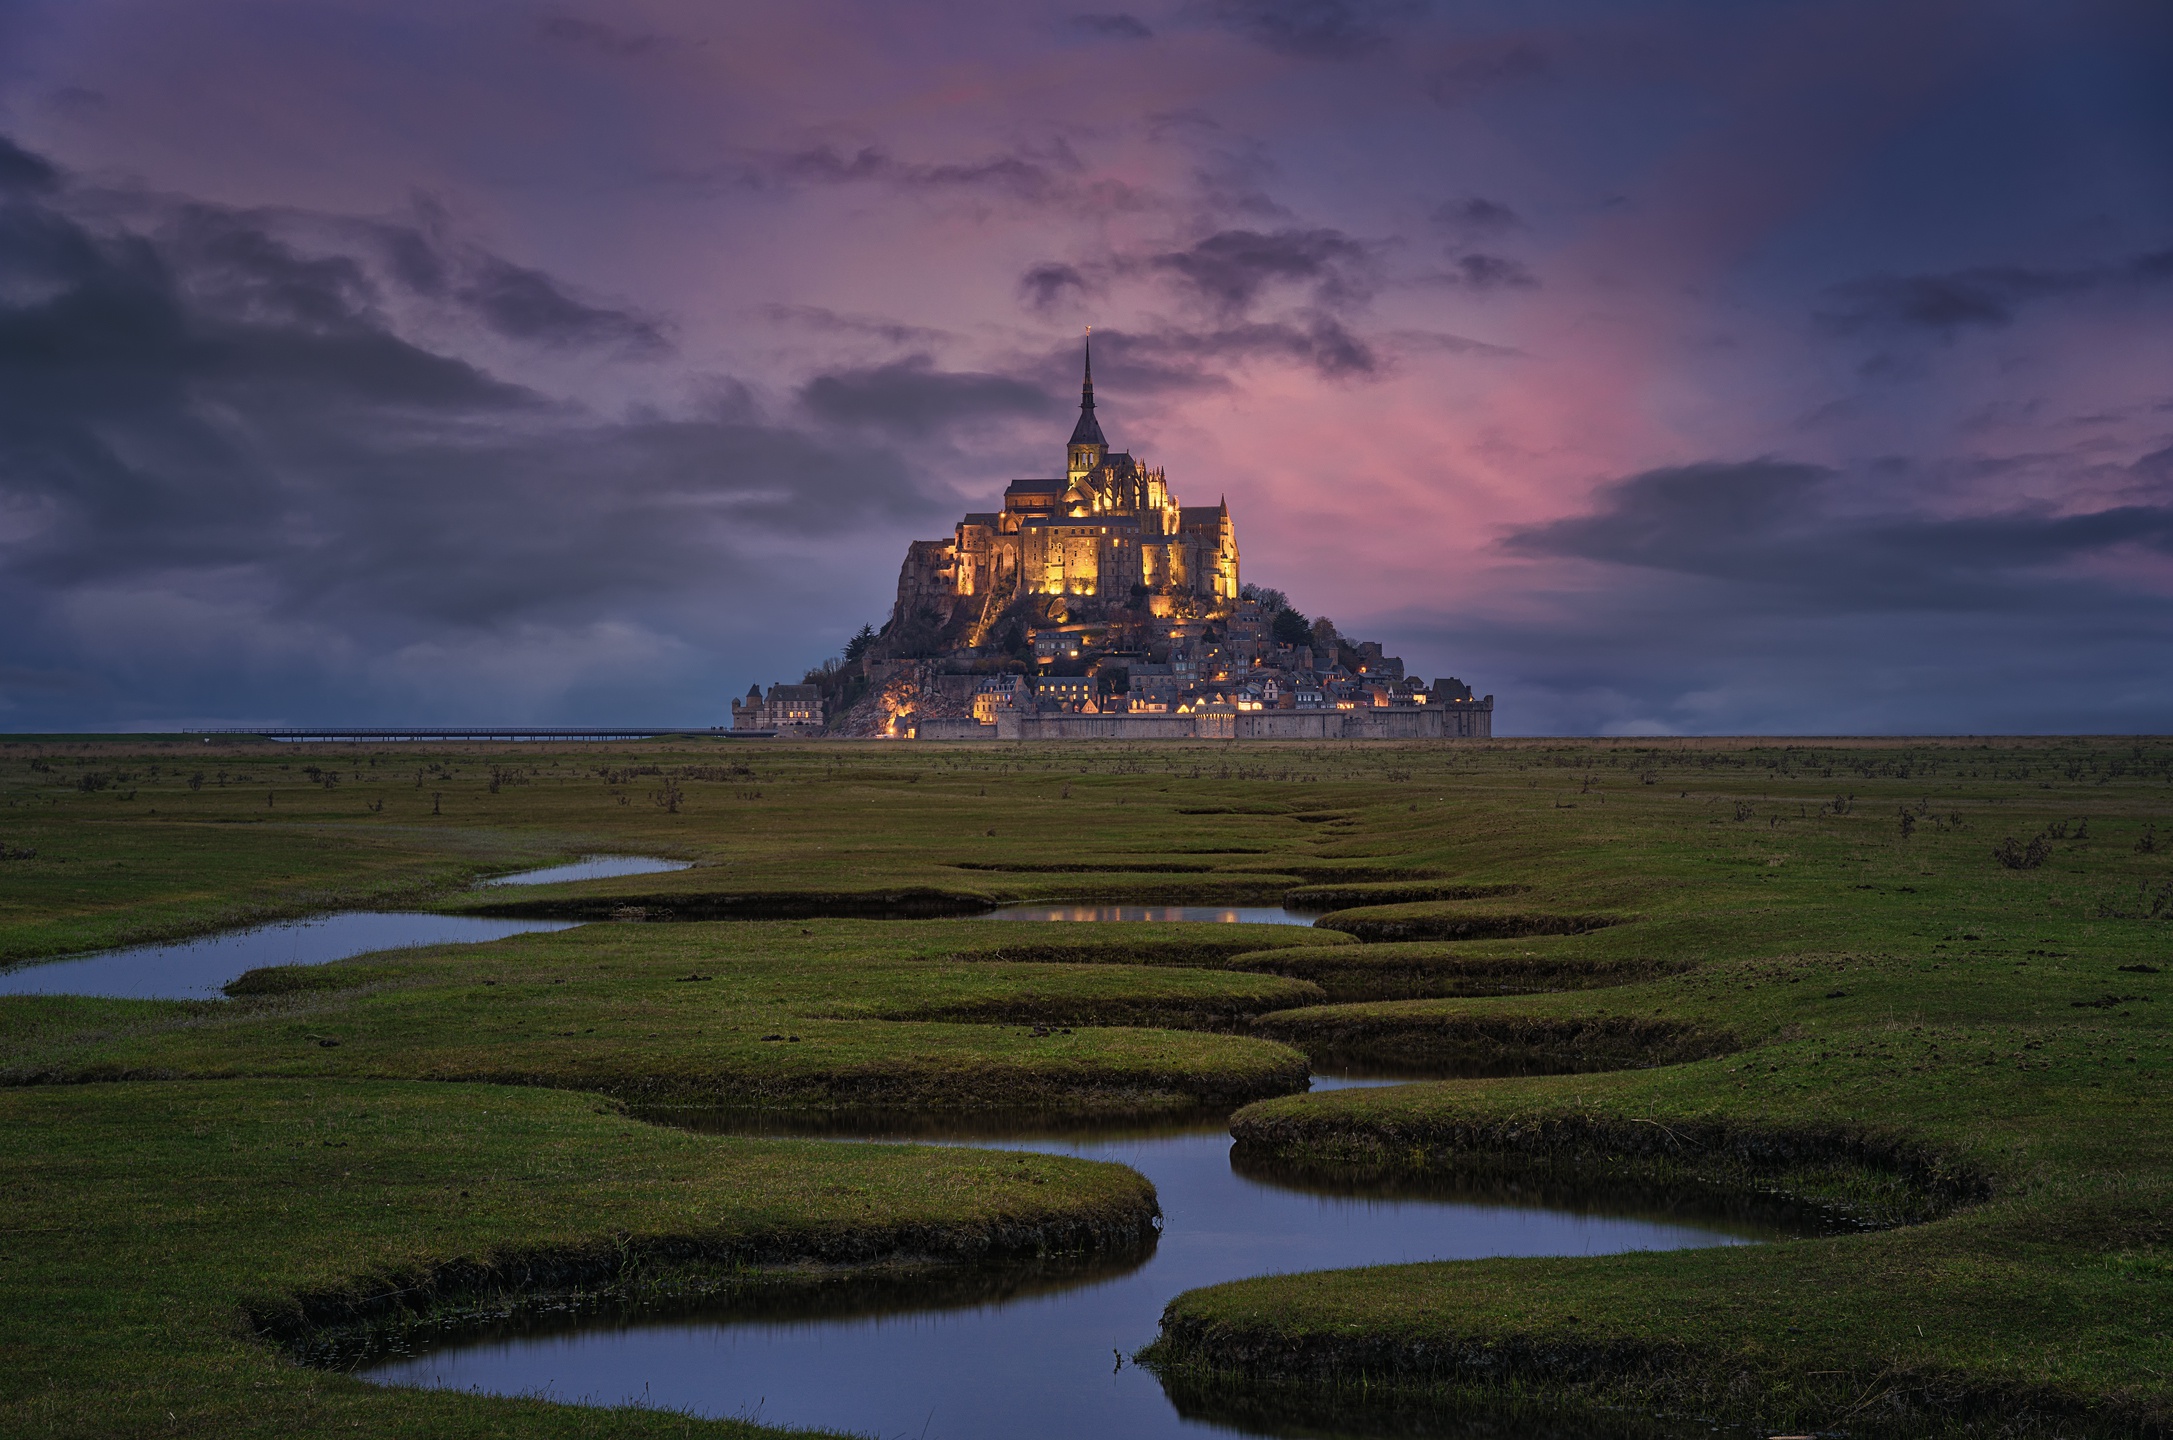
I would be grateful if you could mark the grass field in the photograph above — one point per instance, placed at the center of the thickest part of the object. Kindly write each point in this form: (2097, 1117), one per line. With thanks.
(1914, 983)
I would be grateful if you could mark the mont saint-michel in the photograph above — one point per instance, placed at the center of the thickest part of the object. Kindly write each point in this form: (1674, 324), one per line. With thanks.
(1096, 605)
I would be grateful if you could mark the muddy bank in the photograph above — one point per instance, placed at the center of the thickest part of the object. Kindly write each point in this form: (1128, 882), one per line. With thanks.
(1233, 1014)
(1863, 1178)
(1353, 895)
(904, 904)
(1369, 926)
(895, 1085)
(1427, 970)
(779, 1266)
(1479, 1044)
(1558, 1386)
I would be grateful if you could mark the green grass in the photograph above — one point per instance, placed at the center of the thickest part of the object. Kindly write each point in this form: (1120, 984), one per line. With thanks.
(1803, 994)
(163, 1240)
(833, 1012)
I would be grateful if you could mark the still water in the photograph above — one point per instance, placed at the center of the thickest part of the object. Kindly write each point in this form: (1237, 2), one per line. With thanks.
(1044, 1356)
(592, 867)
(198, 969)
(1218, 914)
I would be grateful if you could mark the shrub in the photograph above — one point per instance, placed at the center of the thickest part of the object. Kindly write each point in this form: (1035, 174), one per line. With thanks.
(2019, 857)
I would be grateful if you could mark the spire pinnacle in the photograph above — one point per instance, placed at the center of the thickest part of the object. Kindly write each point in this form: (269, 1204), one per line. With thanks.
(1088, 431)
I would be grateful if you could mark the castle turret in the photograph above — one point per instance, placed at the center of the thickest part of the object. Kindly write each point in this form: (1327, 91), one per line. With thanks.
(1087, 447)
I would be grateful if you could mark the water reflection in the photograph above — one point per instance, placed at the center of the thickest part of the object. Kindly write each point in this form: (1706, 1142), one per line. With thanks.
(199, 969)
(1046, 1364)
(1213, 914)
(591, 867)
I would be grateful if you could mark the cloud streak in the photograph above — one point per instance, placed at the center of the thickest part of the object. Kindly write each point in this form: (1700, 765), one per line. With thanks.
(1229, 271)
(1985, 296)
(912, 398)
(1316, 29)
(1781, 530)
(198, 417)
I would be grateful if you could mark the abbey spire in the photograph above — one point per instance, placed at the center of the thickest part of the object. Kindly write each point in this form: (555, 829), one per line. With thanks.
(1087, 447)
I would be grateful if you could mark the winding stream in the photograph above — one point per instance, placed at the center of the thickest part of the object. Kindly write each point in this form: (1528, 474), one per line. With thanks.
(198, 969)
(590, 867)
(969, 1354)
(1046, 1359)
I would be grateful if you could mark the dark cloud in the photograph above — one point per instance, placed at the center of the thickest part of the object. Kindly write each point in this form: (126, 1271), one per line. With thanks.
(1316, 29)
(1782, 530)
(824, 320)
(1481, 65)
(911, 397)
(1664, 654)
(1176, 360)
(1679, 518)
(1043, 287)
(231, 263)
(1230, 274)
(22, 172)
(1034, 175)
(1321, 342)
(1771, 596)
(1189, 123)
(516, 301)
(1230, 269)
(1986, 296)
(77, 102)
(1448, 344)
(1492, 272)
(2154, 472)
(1117, 26)
(1473, 219)
(1477, 215)
(525, 304)
(218, 453)
(603, 39)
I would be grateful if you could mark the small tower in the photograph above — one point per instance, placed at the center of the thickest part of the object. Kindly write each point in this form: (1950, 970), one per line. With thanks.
(1087, 448)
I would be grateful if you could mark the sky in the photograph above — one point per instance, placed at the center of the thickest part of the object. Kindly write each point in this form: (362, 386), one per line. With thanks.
(1704, 367)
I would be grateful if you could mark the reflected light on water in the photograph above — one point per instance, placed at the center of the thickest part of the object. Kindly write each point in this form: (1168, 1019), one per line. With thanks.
(1211, 914)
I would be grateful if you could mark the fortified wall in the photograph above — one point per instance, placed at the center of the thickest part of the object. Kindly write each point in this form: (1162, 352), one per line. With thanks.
(1461, 720)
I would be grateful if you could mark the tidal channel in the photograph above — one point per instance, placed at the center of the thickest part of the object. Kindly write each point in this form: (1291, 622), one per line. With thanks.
(198, 969)
(960, 1353)
(1038, 1351)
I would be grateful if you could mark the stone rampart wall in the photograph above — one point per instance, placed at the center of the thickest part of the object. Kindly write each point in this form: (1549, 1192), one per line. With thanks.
(1465, 722)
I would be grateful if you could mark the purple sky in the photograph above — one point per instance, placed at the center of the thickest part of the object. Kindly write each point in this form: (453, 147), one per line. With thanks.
(1695, 367)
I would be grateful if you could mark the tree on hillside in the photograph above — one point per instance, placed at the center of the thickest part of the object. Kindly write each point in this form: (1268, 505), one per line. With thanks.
(1290, 628)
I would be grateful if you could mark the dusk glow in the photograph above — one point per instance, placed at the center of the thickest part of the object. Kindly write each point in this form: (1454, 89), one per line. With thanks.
(1680, 367)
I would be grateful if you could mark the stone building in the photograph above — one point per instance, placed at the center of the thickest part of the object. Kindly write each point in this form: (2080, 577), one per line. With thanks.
(1109, 529)
(788, 709)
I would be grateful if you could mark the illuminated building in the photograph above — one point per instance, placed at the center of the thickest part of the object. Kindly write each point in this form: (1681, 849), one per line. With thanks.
(1108, 530)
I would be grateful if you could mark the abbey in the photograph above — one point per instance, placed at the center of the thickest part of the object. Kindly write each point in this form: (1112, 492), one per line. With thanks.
(1108, 530)
(1096, 606)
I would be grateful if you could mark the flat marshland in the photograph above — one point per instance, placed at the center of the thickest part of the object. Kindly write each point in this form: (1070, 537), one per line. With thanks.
(1919, 987)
